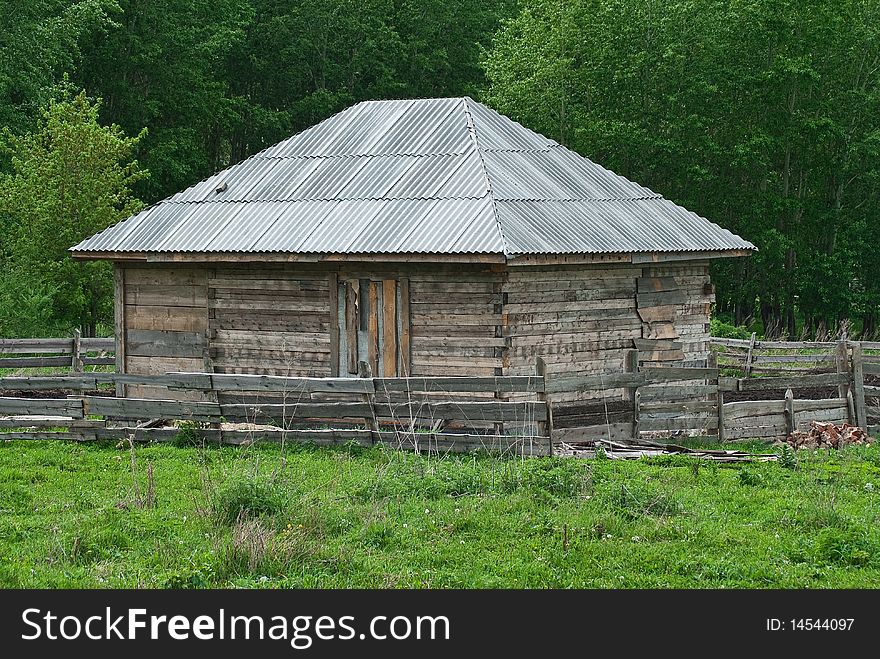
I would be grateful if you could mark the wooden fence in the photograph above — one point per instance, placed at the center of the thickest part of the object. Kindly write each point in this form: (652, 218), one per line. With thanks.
(852, 368)
(435, 414)
(737, 396)
(74, 353)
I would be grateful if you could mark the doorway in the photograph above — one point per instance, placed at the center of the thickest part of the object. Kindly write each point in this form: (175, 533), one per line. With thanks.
(374, 326)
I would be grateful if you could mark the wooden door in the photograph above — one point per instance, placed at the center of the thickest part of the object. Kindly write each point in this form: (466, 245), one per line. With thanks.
(373, 319)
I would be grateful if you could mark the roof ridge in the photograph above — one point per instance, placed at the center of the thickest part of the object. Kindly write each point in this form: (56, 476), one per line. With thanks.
(472, 131)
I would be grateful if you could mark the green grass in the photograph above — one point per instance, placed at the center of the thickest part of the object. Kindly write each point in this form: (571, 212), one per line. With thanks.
(307, 517)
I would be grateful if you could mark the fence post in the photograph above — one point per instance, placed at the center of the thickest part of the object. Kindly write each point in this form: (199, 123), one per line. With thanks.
(788, 413)
(545, 428)
(747, 369)
(858, 378)
(631, 363)
(712, 362)
(366, 371)
(76, 364)
(842, 360)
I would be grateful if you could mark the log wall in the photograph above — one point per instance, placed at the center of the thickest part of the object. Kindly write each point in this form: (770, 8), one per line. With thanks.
(464, 320)
(163, 322)
(269, 320)
(581, 319)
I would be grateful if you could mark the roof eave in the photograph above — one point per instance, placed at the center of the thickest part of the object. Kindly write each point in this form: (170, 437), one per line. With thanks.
(626, 257)
(282, 257)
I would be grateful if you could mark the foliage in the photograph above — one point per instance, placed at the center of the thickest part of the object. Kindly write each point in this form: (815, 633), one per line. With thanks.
(762, 116)
(378, 518)
(71, 178)
(41, 41)
(248, 73)
(719, 328)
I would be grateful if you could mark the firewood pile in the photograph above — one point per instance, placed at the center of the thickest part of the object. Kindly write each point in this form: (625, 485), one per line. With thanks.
(827, 435)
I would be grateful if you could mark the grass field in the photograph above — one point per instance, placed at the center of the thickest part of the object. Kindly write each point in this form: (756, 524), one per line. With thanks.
(73, 515)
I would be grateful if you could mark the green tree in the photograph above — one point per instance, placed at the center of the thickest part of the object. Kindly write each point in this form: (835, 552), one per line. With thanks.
(762, 115)
(71, 178)
(39, 41)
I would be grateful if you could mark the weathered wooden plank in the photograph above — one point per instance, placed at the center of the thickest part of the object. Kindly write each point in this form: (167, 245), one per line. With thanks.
(459, 320)
(270, 282)
(501, 384)
(789, 359)
(174, 296)
(569, 307)
(764, 432)
(593, 382)
(230, 382)
(299, 306)
(99, 361)
(792, 382)
(178, 319)
(389, 327)
(669, 373)
(333, 286)
(34, 362)
(184, 380)
(136, 408)
(611, 431)
(732, 343)
(404, 313)
(162, 365)
(747, 368)
(656, 284)
(665, 313)
(32, 421)
(661, 330)
(837, 416)
(164, 276)
(683, 407)
(819, 405)
(871, 368)
(661, 355)
(441, 362)
(660, 299)
(69, 407)
(728, 384)
(164, 343)
(649, 423)
(751, 409)
(38, 383)
(269, 339)
(676, 392)
(36, 346)
(98, 344)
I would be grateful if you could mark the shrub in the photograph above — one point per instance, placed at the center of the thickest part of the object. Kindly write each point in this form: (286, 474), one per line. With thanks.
(724, 330)
(249, 498)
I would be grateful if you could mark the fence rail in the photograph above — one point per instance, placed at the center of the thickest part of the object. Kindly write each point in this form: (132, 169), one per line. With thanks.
(74, 353)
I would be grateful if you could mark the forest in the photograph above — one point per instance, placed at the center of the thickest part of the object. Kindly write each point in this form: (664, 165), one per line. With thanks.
(761, 115)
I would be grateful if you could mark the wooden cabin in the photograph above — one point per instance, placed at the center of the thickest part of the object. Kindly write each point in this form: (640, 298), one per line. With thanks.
(425, 237)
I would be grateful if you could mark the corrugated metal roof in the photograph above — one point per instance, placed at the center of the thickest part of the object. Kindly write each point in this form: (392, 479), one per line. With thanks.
(434, 176)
